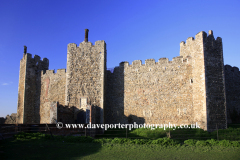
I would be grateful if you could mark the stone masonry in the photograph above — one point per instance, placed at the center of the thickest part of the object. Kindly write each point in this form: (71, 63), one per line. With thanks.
(9, 119)
(191, 88)
(232, 81)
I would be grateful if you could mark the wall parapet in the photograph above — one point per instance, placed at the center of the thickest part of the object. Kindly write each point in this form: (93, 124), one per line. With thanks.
(231, 68)
(86, 44)
(52, 72)
(35, 58)
(201, 39)
(163, 62)
(199, 36)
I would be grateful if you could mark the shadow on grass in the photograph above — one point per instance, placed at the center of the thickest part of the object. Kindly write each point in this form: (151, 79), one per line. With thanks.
(45, 149)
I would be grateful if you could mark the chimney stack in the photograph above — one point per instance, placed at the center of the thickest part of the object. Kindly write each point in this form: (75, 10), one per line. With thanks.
(25, 49)
(86, 35)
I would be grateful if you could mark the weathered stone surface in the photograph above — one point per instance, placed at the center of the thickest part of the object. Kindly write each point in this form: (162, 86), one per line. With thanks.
(85, 77)
(158, 93)
(29, 88)
(186, 90)
(53, 112)
(232, 83)
(9, 119)
(52, 90)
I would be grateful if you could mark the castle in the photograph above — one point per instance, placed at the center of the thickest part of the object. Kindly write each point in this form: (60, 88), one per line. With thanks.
(193, 87)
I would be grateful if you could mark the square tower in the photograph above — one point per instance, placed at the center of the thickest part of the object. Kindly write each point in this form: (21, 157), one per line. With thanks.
(85, 77)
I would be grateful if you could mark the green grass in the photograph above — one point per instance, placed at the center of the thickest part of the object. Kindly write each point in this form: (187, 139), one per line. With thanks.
(232, 133)
(146, 144)
(160, 141)
(52, 149)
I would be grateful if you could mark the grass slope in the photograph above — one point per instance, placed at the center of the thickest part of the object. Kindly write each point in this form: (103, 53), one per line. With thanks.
(184, 144)
(39, 149)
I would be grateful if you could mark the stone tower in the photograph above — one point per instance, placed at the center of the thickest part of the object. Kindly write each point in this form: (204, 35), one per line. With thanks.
(29, 88)
(85, 76)
(209, 99)
(188, 89)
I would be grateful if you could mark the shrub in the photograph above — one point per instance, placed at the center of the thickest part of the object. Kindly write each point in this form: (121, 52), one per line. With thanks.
(235, 144)
(139, 141)
(160, 141)
(225, 143)
(190, 142)
(164, 141)
(102, 140)
(120, 140)
(212, 142)
(157, 141)
(201, 143)
(81, 139)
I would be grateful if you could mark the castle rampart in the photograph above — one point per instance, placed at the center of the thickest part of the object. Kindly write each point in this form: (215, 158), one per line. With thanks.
(52, 90)
(190, 88)
(232, 79)
(162, 62)
(148, 91)
(183, 87)
(29, 88)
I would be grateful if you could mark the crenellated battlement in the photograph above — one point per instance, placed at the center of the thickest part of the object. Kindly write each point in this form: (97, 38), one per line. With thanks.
(35, 62)
(53, 73)
(232, 69)
(84, 45)
(186, 51)
(187, 89)
(200, 39)
(35, 58)
(177, 60)
(190, 40)
(163, 62)
(150, 62)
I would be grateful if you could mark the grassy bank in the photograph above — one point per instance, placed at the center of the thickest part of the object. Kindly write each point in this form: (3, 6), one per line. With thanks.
(180, 134)
(50, 149)
(140, 144)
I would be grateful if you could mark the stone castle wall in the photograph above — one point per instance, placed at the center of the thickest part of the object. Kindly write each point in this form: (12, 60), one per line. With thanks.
(52, 90)
(232, 83)
(153, 93)
(186, 90)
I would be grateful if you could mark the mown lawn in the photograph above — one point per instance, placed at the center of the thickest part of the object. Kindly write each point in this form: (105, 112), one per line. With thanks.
(232, 133)
(49, 149)
(150, 144)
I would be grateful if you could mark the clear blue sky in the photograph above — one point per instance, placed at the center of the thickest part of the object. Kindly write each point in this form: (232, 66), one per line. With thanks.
(132, 29)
